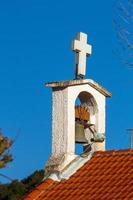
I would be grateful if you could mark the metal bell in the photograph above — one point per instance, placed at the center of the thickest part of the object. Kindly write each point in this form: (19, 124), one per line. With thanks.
(80, 134)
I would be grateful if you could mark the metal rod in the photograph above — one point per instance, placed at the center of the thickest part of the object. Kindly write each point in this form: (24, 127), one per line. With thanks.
(130, 130)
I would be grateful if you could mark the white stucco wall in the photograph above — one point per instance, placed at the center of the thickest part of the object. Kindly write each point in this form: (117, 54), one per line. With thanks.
(63, 118)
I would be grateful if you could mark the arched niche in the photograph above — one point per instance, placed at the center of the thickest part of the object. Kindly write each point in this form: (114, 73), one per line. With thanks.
(86, 107)
(89, 101)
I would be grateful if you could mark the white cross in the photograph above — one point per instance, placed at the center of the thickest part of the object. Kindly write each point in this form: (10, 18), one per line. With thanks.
(82, 50)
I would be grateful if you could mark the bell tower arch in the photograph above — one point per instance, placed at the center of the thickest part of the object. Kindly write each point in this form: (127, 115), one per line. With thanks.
(86, 123)
(88, 101)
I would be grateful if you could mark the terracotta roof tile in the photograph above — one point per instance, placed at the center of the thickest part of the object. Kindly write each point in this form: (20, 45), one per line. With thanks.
(107, 176)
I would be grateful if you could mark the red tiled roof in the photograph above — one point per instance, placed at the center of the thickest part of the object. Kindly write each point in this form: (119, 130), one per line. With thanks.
(107, 176)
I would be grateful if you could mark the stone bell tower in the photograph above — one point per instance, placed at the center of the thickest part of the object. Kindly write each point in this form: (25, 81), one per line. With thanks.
(73, 124)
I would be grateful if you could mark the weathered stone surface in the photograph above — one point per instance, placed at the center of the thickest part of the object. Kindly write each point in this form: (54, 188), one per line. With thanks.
(67, 83)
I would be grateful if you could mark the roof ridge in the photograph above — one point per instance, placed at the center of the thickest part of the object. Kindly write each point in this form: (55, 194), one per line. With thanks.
(70, 168)
(113, 152)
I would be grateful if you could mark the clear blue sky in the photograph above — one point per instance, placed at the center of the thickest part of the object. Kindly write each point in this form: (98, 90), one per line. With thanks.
(35, 38)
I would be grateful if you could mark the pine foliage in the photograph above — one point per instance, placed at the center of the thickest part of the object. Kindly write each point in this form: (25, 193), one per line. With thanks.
(17, 189)
(5, 155)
